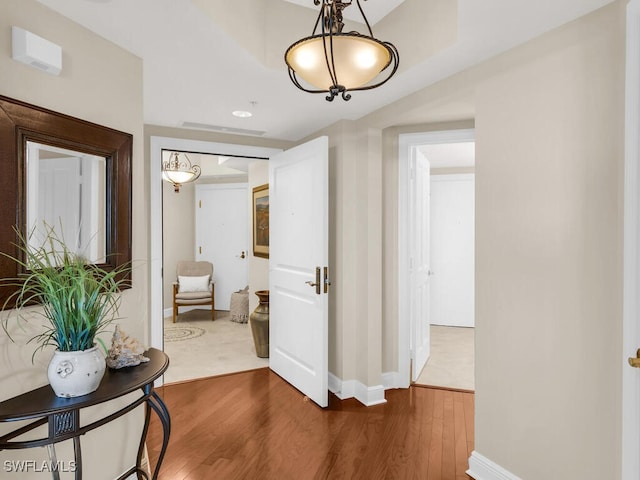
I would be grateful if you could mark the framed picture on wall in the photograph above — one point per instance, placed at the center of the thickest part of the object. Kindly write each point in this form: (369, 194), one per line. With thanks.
(261, 221)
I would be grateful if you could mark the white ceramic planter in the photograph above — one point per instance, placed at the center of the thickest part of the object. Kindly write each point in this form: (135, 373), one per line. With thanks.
(72, 374)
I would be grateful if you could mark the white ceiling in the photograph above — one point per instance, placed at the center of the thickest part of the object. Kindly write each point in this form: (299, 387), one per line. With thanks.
(194, 72)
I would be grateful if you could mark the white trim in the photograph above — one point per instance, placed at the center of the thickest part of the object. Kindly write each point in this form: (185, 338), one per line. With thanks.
(391, 380)
(157, 144)
(369, 396)
(344, 389)
(481, 468)
(631, 289)
(341, 389)
(407, 142)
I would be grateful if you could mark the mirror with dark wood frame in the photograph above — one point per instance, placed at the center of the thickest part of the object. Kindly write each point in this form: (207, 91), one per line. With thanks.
(26, 128)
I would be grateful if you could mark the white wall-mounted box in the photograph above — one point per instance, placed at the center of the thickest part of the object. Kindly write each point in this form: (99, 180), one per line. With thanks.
(36, 51)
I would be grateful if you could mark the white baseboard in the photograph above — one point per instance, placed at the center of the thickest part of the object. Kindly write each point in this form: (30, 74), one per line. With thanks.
(370, 396)
(481, 468)
(344, 389)
(341, 389)
(392, 380)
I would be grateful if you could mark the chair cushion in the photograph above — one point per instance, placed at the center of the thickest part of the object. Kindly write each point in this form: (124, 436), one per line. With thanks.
(195, 296)
(193, 284)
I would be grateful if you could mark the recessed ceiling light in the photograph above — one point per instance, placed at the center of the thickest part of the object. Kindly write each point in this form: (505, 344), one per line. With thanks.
(242, 114)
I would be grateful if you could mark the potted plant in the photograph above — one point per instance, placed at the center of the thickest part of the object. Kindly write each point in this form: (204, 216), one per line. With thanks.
(78, 301)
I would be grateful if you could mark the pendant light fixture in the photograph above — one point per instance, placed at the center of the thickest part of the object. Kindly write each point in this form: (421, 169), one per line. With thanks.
(336, 62)
(179, 170)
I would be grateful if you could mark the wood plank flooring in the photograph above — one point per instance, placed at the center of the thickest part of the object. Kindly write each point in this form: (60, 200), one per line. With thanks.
(254, 425)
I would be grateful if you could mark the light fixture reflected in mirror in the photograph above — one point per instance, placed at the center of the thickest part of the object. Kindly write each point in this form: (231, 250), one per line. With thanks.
(179, 170)
(335, 62)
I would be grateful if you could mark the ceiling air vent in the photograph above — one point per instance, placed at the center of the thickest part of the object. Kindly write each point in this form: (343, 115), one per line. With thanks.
(219, 128)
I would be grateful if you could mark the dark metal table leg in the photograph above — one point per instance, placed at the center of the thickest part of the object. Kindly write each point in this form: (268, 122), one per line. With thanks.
(51, 448)
(155, 402)
(78, 457)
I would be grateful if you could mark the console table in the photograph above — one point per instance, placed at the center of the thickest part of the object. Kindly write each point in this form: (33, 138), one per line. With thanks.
(62, 415)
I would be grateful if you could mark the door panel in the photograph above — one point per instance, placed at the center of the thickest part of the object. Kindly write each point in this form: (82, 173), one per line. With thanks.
(452, 250)
(59, 196)
(298, 224)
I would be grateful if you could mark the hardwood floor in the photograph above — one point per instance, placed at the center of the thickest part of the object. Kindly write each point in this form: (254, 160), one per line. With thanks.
(254, 425)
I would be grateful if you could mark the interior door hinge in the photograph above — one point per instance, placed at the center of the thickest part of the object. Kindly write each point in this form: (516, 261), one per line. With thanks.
(200, 250)
(199, 203)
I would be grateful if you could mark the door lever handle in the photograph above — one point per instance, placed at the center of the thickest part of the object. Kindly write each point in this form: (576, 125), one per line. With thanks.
(635, 362)
(316, 283)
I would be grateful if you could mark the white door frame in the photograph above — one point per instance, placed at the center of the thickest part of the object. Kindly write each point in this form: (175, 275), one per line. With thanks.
(406, 142)
(157, 144)
(631, 259)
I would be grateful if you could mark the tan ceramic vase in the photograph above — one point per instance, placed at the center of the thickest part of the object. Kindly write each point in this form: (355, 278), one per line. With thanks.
(259, 319)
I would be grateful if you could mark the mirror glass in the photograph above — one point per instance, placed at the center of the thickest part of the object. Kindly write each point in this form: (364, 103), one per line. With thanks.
(67, 174)
(66, 191)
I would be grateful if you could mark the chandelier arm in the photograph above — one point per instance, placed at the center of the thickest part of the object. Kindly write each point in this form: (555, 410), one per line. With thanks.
(315, 27)
(365, 18)
(331, 68)
(296, 82)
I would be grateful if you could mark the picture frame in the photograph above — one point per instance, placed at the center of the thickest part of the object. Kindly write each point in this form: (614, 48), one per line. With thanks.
(260, 207)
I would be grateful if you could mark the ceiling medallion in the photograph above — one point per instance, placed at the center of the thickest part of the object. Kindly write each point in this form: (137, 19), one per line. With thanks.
(336, 62)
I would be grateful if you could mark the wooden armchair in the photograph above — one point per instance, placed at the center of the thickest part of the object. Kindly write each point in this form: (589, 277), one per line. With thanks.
(194, 286)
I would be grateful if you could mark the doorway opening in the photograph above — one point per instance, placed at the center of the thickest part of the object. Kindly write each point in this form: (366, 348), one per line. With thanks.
(174, 237)
(436, 259)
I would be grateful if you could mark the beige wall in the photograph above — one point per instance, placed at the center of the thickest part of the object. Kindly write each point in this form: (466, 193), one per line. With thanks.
(178, 233)
(549, 254)
(549, 170)
(88, 89)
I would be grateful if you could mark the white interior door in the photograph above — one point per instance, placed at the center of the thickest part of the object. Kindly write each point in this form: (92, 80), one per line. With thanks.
(452, 250)
(58, 197)
(299, 246)
(221, 236)
(419, 265)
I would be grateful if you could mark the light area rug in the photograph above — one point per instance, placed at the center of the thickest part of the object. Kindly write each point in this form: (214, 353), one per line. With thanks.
(451, 364)
(198, 347)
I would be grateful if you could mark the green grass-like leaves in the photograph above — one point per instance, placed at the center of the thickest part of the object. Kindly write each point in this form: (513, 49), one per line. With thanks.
(79, 299)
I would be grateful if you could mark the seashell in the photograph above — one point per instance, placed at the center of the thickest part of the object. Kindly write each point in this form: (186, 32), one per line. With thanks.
(125, 351)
